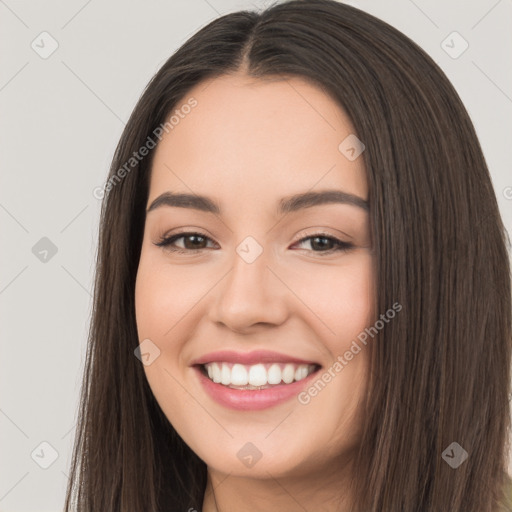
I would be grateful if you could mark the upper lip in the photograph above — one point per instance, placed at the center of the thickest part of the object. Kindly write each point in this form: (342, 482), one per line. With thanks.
(248, 358)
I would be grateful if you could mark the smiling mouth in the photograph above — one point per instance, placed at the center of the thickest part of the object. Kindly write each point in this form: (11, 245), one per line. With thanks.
(257, 376)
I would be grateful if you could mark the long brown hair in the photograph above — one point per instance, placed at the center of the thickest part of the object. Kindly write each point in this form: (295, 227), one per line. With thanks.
(440, 370)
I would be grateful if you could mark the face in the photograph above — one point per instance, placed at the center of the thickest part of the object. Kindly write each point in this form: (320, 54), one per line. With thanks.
(252, 294)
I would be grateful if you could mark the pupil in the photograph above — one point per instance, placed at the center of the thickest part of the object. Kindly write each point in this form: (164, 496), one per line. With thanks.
(194, 238)
(322, 245)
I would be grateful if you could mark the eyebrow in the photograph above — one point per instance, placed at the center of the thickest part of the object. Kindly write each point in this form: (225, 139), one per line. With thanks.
(286, 204)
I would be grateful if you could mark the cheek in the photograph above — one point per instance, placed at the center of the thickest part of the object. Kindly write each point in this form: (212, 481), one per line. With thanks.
(352, 304)
(150, 303)
(163, 298)
(342, 298)
(158, 311)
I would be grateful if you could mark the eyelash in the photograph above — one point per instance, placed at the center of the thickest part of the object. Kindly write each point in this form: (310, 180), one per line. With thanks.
(340, 246)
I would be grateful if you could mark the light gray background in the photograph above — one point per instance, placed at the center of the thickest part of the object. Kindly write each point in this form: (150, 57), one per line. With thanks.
(61, 119)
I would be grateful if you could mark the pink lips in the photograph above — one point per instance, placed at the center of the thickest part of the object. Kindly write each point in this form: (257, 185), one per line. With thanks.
(254, 357)
(244, 399)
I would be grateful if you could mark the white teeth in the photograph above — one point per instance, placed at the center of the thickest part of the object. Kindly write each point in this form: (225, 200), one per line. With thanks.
(301, 373)
(274, 374)
(288, 373)
(216, 373)
(225, 373)
(239, 375)
(257, 375)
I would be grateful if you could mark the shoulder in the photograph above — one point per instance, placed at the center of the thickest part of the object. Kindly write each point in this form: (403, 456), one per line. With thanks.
(507, 503)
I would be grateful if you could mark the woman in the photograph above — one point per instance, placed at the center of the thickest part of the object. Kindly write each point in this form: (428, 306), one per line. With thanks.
(233, 367)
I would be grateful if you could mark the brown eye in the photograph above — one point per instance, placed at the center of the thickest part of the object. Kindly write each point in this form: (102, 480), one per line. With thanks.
(324, 244)
(191, 242)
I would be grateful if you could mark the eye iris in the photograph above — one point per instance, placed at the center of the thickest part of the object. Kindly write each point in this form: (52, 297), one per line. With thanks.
(320, 245)
(193, 237)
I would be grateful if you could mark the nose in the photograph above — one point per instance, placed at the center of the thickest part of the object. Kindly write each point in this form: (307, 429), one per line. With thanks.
(249, 295)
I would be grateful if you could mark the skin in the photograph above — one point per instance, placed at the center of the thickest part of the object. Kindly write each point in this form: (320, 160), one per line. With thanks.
(248, 143)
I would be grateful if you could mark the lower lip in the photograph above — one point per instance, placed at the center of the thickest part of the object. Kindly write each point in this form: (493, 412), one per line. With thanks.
(252, 399)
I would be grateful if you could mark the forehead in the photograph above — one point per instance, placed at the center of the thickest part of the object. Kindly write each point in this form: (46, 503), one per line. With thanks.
(252, 141)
